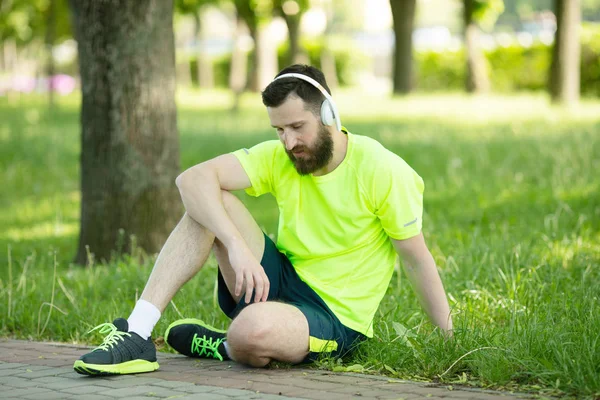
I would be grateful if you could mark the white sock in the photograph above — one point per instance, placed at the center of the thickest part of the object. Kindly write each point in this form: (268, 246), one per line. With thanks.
(143, 318)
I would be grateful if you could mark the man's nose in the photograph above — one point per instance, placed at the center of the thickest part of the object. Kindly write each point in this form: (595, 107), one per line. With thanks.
(290, 140)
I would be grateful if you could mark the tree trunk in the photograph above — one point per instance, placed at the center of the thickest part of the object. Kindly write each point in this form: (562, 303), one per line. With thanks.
(564, 72)
(239, 66)
(267, 56)
(254, 70)
(130, 149)
(204, 67)
(477, 80)
(328, 67)
(403, 13)
(50, 38)
(293, 24)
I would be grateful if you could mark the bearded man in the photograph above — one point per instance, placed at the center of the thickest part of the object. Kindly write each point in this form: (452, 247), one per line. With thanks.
(347, 208)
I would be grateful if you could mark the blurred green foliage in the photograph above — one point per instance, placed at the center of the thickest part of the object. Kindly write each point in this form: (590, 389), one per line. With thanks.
(313, 48)
(590, 60)
(511, 68)
(27, 20)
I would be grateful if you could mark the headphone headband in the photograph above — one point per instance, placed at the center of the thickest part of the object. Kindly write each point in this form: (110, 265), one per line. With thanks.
(316, 84)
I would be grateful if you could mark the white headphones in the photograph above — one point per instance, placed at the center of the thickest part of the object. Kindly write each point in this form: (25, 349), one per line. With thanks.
(329, 112)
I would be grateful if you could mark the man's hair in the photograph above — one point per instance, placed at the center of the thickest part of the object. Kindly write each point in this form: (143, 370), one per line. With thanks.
(278, 91)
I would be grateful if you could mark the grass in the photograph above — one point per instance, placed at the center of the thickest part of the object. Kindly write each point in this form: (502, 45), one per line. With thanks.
(512, 217)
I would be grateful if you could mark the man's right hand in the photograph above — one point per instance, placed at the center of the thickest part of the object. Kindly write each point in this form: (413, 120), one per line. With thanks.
(249, 274)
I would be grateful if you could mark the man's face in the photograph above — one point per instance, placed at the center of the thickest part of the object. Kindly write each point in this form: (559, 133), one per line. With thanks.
(307, 142)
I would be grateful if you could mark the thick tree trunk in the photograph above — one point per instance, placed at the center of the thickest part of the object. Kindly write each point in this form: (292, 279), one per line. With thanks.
(403, 13)
(477, 80)
(130, 150)
(564, 72)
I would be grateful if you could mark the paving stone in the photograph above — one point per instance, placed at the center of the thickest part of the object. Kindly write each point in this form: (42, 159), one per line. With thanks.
(146, 390)
(66, 383)
(20, 392)
(148, 398)
(233, 392)
(14, 381)
(203, 396)
(51, 379)
(172, 384)
(87, 389)
(90, 397)
(128, 380)
(29, 374)
(263, 396)
(47, 369)
(199, 389)
(9, 372)
(51, 395)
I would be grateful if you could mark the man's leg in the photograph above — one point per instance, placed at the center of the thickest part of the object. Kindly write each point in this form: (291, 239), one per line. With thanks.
(187, 250)
(268, 331)
(182, 256)
(262, 331)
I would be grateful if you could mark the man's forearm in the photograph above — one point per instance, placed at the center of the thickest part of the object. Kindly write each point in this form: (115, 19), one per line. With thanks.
(428, 286)
(201, 196)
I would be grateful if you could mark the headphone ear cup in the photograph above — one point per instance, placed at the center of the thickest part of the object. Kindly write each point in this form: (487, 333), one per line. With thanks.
(327, 117)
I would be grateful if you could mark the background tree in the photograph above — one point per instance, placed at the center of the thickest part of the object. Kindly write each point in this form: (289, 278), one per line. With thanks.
(254, 13)
(292, 11)
(238, 73)
(193, 8)
(477, 13)
(403, 13)
(566, 53)
(33, 23)
(130, 149)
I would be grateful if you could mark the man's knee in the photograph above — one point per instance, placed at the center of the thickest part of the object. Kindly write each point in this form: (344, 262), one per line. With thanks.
(248, 336)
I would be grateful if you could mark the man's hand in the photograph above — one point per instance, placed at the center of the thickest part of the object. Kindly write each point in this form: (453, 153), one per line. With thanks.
(250, 273)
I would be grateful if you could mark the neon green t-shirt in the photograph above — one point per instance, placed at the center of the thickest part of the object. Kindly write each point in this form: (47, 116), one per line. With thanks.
(335, 228)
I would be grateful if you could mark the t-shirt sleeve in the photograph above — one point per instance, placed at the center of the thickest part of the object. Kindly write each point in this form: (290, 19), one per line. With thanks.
(398, 192)
(258, 162)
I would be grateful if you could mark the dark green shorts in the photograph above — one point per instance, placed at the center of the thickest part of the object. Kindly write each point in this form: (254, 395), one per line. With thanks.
(328, 336)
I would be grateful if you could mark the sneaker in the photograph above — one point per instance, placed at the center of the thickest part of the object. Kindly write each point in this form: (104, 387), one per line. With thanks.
(194, 338)
(121, 352)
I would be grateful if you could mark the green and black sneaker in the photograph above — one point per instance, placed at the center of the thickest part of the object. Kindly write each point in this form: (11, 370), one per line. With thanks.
(194, 338)
(121, 352)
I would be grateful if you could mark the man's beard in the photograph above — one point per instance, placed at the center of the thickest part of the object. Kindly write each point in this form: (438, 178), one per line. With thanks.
(316, 157)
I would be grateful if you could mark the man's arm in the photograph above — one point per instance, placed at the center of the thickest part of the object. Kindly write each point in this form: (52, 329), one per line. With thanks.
(423, 275)
(200, 188)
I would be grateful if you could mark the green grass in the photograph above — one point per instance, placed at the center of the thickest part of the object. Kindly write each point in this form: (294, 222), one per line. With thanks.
(512, 217)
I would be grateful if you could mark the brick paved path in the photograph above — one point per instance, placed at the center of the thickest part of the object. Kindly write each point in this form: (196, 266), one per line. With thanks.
(43, 371)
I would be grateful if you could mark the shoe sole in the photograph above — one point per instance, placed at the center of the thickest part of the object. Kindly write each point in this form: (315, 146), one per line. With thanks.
(129, 367)
(190, 321)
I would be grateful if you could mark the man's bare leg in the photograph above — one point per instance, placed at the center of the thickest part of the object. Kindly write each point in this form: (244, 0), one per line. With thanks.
(268, 331)
(184, 253)
(281, 334)
(188, 248)
(263, 331)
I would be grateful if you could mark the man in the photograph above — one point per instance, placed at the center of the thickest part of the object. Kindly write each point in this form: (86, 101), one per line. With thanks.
(347, 207)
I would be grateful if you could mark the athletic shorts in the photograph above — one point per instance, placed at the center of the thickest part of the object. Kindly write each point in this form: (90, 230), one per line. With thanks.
(328, 336)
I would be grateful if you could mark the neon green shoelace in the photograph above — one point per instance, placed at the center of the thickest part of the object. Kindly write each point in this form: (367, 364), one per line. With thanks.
(206, 347)
(113, 335)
